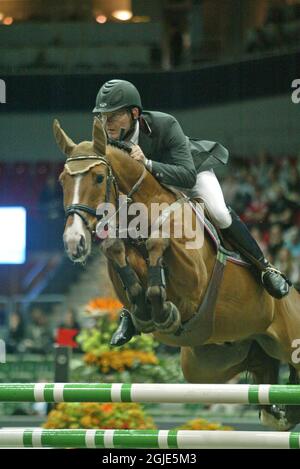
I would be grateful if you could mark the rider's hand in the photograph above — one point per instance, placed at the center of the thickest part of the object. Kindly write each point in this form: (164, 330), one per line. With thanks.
(137, 154)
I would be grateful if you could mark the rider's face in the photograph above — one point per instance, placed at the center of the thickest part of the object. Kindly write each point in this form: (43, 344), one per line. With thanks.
(115, 121)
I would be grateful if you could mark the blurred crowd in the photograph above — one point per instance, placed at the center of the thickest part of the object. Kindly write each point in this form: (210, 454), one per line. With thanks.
(37, 334)
(34, 186)
(281, 28)
(265, 193)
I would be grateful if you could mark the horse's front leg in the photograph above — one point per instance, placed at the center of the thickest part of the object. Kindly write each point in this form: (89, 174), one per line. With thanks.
(114, 250)
(165, 314)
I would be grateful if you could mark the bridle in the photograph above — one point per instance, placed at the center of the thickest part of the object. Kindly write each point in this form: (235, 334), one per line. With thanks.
(80, 209)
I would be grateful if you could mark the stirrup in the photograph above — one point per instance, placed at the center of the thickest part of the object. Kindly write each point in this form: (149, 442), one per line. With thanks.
(124, 313)
(271, 268)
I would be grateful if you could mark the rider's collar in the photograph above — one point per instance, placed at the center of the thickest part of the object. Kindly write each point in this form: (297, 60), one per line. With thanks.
(144, 126)
(135, 136)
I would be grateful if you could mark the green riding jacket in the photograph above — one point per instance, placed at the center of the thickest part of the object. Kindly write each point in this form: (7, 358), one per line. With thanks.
(176, 158)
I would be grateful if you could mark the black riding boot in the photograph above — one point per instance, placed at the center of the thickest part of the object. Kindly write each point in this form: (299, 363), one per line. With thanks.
(125, 331)
(274, 281)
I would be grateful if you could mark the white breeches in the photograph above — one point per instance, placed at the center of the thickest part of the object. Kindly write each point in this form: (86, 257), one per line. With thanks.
(208, 188)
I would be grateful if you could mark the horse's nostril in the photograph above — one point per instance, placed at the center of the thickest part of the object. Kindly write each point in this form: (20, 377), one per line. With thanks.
(82, 242)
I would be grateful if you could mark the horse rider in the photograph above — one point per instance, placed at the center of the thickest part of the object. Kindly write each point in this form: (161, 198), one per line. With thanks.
(157, 140)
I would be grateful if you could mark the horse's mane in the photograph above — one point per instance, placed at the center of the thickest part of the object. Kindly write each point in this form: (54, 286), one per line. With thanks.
(119, 144)
(118, 147)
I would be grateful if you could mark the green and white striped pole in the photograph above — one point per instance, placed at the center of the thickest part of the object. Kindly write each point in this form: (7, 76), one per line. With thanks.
(162, 393)
(160, 439)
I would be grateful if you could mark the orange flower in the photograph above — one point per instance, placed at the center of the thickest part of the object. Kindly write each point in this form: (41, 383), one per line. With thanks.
(108, 306)
(107, 407)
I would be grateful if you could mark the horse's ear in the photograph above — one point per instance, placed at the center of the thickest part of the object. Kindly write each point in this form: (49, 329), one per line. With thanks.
(99, 137)
(64, 142)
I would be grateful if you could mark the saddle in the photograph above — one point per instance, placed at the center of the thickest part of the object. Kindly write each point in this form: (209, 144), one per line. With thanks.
(213, 232)
(216, 237)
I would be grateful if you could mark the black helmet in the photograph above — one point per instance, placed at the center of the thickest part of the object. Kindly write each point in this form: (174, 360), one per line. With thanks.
(117, 94)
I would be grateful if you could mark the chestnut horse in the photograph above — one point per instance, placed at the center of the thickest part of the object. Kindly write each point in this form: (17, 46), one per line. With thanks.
(252, 331)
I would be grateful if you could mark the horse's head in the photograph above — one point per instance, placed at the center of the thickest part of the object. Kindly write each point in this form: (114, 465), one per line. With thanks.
(85, 181)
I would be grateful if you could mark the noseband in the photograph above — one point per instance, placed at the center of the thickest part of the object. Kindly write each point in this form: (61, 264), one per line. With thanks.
(79, 209)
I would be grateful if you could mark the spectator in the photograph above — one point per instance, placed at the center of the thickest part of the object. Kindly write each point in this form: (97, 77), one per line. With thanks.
(50, 199)
(257, 210)
(285, 262)
(275, 240)
(245, 193)
(271, 183)
(292, 193)
(279, 209)
(291, 26)
(293, 244)
(258, 236)
(275, 15)
(70, 321)
(255, 40)
(16, 333)
(263, 168)
(38, 335)
(230, 188)
(281, 28)
(176, 46)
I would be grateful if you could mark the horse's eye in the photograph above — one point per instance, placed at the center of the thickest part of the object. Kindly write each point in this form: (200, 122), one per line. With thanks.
(100, 178)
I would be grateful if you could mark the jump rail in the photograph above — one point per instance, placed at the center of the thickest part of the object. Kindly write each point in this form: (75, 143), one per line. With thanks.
(162, 439)
(162, 393)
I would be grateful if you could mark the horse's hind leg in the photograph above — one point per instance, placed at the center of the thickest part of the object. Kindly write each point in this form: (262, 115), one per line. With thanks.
(214, 363)
(165, 314)
(293, 411)
(265, 370)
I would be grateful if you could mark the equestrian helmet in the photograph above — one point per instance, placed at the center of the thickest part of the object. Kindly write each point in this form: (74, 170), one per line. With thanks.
(117, 94)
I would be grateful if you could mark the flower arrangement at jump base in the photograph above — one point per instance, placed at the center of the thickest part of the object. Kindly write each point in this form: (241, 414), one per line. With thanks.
(202, 424)
(95, 340)
(114, 415)
(95, 416)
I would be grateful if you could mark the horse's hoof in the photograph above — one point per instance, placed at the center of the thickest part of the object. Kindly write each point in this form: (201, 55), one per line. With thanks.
(275, 419)
(125, 331)
(156, 293)
(173, 321)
